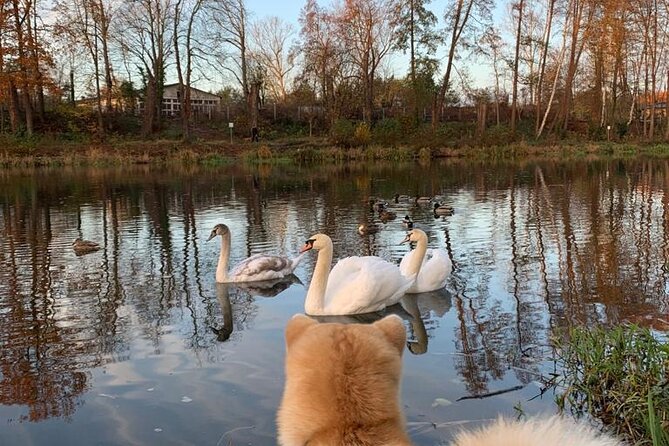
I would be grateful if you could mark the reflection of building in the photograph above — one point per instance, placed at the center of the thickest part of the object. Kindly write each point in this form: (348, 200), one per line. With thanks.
(203, 104)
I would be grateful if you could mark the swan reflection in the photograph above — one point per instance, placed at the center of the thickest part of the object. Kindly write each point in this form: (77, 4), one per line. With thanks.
(266, 288)
(423, 307)
(419, 310)
(223, 296)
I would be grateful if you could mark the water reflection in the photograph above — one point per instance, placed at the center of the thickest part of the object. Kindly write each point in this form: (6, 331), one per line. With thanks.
(421, 312)
(425, 309)
(244, 305)
(536, 247)
(223, 295)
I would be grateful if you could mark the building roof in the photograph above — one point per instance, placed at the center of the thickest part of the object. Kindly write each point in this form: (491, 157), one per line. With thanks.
(176, 84)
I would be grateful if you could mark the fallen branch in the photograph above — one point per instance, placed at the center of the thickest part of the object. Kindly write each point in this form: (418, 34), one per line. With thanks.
(486, 395)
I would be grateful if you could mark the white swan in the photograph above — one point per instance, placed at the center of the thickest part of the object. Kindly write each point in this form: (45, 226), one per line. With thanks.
(433, 266)
(256, 268)
(355, 285)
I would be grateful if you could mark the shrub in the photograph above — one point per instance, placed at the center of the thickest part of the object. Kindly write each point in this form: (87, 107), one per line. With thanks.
(362, 135)
(497, 136)
(342, 132)
(388, 132)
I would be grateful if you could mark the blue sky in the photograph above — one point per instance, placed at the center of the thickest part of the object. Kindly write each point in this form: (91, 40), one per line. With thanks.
(289, 10)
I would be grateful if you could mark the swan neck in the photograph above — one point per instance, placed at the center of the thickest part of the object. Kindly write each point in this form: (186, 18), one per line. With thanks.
(224, 257)
(418, 256)
(314, 303)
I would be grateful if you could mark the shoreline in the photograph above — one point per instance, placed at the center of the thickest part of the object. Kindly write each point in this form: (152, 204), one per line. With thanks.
(298, 151)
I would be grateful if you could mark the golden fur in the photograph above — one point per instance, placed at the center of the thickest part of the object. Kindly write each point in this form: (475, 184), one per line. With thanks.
(342, 388)
(342, 384)
(553, 431)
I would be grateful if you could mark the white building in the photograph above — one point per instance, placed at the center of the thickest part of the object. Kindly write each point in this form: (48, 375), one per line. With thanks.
(203, 104)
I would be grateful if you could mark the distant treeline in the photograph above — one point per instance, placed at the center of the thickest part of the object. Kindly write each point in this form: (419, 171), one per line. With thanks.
(555, 68)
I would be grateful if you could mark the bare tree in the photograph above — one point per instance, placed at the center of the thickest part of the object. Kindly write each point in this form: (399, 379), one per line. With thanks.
(185, 14)
(325, 62)
(580, 13)
(462, 17)
(493, 45)
(87, 23)
(272, 39)
(367, 29)
(229, 41)
(542, 64)
(514, 95)
(147, 38)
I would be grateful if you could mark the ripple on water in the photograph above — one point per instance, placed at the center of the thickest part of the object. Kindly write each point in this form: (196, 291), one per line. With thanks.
(144, 312)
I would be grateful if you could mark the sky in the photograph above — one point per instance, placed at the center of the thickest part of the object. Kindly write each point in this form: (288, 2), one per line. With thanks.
(289, 10)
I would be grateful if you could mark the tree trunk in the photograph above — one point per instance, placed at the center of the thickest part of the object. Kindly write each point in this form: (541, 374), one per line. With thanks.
(542, 68)
(72, 97)
(459, 22)
(14, 116)
(514, 100)
(149, 106)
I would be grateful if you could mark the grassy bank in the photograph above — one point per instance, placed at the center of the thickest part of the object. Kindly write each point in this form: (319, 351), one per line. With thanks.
(35, 152)
(620, 376)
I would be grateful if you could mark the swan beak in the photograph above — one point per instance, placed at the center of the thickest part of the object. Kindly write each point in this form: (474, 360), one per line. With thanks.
(213, 234)
(406, 239)
(309, 244)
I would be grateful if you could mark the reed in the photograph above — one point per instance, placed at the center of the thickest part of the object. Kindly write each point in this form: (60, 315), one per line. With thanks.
(621, 376)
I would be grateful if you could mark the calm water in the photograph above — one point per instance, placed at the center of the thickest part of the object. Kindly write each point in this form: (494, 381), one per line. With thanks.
(132, 344)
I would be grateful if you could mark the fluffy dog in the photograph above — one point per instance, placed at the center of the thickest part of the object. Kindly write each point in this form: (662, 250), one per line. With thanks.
(553, 431)
(342, 384)
(342, 388)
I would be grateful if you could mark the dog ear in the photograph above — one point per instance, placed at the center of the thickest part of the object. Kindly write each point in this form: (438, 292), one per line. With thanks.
(393, 328)
(296, 327)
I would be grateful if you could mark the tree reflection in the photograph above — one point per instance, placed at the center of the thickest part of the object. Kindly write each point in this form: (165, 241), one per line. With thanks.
(537, 246)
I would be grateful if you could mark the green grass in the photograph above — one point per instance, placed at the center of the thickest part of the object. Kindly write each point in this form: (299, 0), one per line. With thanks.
(16, 151)
(621, 376)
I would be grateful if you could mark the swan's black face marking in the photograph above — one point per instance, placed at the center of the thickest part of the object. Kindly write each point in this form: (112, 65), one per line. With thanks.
(212, 235)
(219, 229)
(309, 244)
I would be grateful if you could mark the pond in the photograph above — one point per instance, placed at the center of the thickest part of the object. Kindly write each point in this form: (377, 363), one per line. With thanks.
(136, 344)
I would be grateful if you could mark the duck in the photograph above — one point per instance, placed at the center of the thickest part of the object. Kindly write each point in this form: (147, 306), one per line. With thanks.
(401, 198)
(258, 267)
(385, 215)
(442, 209)
(367, 229)
(407, 222)
(82, 246)
(376, 204)
(430, 266)
(423, 199)
(355, 285)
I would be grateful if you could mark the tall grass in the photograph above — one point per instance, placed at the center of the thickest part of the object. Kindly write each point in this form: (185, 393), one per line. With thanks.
(621, 376)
